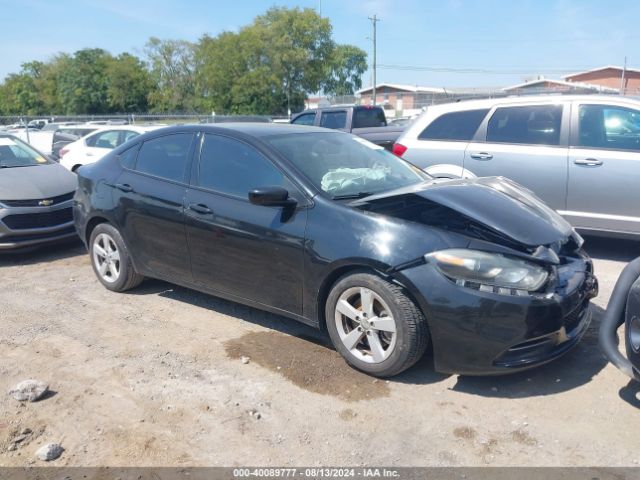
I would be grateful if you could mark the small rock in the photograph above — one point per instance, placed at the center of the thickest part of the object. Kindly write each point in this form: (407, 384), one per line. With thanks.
(244, 360)
(49, 452)
(255, 414)
(494, 389)
(20, 438)
(29, 390)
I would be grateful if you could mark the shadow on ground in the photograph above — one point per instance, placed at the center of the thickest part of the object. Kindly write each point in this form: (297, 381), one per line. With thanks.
(48, 253)
(305, 356)
(630, 393)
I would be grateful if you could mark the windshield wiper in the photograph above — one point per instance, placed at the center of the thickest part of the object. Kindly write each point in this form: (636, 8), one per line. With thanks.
(352, 195)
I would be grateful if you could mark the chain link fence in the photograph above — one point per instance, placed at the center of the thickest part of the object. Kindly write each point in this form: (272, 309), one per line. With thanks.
(395, 103)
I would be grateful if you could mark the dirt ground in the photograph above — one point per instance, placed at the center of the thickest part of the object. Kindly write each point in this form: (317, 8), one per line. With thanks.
(156, 377)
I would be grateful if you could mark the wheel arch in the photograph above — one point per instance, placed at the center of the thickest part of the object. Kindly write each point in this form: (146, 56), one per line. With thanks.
(376, 268)
(92, 224)
(450, 171)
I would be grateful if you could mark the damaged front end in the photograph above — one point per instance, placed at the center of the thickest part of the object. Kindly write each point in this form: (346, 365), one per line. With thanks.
(520, 281)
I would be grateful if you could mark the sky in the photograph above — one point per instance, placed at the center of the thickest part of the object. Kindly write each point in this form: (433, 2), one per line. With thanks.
(445, 43)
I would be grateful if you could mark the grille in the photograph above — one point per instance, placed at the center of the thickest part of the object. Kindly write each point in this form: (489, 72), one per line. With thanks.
(572, 320)
(35, 203)
(38, 220)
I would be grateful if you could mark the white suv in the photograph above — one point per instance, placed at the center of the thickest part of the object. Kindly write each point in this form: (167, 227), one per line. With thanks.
(580, 154)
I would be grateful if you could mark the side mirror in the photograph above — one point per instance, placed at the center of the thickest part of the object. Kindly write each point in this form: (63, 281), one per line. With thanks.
(271, 197)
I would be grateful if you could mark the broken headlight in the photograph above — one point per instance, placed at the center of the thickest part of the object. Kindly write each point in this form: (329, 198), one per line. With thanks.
(488, 270)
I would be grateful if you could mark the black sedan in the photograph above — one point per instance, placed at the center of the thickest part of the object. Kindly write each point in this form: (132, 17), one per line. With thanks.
(328, 229)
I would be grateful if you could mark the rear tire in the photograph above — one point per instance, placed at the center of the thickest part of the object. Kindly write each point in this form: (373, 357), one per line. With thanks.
(374, 325)
(111, 260)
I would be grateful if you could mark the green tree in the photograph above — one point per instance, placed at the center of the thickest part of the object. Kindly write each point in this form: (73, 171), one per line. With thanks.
(344, 75)
(274, 63)
(295, 45)
(83, 83)
(30, 92)
(219, 62)
(128, 84)
(172, 68)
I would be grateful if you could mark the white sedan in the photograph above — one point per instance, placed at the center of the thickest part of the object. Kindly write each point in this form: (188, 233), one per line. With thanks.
(93, 147)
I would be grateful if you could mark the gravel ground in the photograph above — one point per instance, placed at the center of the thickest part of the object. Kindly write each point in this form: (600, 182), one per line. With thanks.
(157, 377)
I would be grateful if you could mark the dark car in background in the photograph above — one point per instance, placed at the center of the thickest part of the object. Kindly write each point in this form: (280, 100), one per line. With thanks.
(336, 232)
(63, 136)
(35, 197)
(366, 121)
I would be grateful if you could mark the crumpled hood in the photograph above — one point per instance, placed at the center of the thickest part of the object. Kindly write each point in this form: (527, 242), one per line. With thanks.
(36, 182)
(497, 203)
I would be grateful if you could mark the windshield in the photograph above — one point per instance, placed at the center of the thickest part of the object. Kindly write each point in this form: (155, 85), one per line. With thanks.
(15, 153)
(346, 166)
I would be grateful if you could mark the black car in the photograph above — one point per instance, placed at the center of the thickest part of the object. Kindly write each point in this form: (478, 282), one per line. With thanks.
(331, 230)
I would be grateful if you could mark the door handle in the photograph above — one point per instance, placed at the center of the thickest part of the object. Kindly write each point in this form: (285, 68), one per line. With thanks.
(589, 162)
(125, 187)
(200, 208)
(481, 156)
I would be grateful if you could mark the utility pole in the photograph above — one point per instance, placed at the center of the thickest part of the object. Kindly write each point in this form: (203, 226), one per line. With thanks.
(374, 21)
(624, 71)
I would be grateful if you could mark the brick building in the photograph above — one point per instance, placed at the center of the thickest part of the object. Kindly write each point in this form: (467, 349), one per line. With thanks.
(610, 77)
(548, 85)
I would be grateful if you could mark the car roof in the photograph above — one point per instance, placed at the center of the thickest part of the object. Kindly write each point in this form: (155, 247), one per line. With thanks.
(255, 129)
(528, 99)
(133, 128)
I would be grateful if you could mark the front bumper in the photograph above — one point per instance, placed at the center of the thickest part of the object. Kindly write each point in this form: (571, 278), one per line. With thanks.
(28, 227)
(482, 333)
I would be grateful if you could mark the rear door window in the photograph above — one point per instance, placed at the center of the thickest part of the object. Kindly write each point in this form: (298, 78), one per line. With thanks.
(368, 117)
(528, 125)
(165, 157)
(454, 126)
(107, 139)
(335, 120)
(610, 127)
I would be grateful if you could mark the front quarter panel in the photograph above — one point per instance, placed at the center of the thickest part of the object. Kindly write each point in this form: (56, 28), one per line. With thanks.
(340, 237)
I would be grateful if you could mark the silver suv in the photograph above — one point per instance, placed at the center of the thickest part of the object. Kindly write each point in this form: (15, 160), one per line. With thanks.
(580, 154)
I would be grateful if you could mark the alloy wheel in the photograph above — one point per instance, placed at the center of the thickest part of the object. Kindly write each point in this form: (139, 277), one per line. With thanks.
(106, 258)
(365, 325)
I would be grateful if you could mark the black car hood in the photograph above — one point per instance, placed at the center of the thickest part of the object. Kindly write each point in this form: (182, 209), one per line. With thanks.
(492, 204)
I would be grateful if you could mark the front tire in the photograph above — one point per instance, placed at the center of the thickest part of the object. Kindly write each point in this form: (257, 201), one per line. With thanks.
(374, 325)
(110, 259)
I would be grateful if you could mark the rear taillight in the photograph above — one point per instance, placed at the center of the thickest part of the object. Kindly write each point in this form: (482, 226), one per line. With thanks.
(64, 151)
(399, 149)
